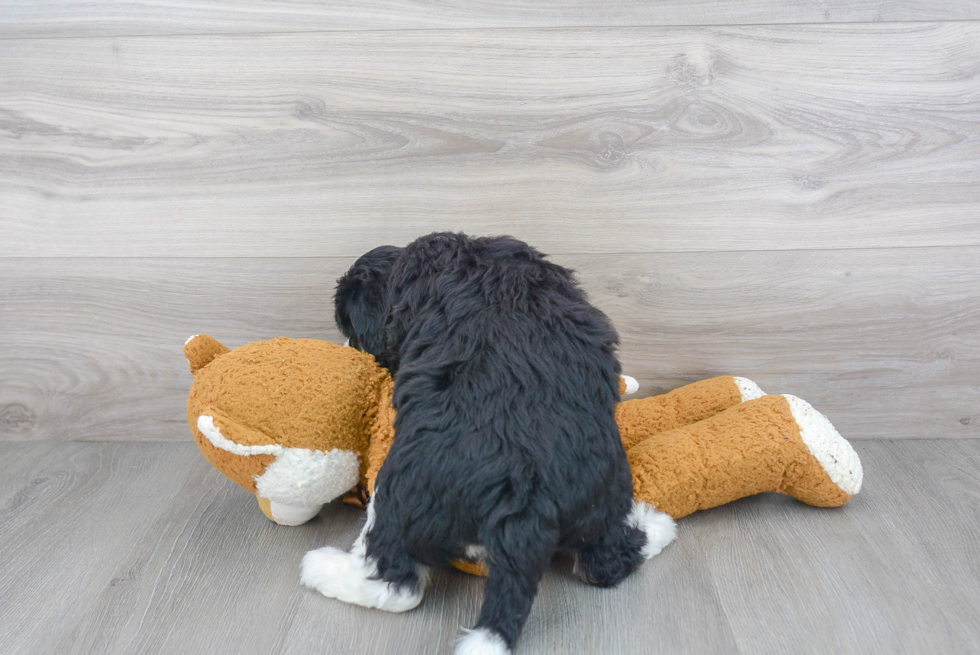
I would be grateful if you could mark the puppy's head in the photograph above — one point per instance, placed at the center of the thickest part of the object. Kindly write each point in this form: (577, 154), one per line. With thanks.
(361, 299)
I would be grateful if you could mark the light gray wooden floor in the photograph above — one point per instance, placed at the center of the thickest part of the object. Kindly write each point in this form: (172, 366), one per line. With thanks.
(144, 548)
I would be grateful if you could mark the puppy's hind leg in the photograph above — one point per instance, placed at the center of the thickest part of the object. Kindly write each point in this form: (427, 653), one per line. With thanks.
(516, 563)
(643, 534)
(376, 573)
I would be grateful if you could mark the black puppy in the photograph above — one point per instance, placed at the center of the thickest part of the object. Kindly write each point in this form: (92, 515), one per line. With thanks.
(506, 449)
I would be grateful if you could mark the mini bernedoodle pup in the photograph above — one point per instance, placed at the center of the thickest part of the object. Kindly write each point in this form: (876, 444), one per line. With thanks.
(506, 383)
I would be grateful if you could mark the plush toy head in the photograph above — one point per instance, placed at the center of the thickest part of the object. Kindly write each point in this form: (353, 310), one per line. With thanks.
(298, 422)
(291, 420)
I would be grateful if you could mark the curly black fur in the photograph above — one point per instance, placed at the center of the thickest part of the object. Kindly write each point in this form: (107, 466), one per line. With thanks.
(506, 383)
(361, 300)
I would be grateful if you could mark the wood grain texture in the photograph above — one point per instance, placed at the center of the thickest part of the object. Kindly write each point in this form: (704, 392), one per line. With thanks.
(64, 533)
(213, 549)
(238, 300)
(35, 18)
(21, 461)
(206, 555)
(895, 570)
(889, 587)
(60, 387)
(577, 140)
(883, 341)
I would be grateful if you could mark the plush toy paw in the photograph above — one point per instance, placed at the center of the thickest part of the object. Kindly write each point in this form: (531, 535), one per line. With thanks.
(839, 474)
(772, 443)
(749, 389)
(642, 418)
(284, 514)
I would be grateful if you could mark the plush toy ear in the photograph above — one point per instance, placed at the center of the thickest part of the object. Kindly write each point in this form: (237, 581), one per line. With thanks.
(200, 350)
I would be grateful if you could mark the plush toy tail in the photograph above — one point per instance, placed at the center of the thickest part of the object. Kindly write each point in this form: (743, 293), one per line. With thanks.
(201, 349)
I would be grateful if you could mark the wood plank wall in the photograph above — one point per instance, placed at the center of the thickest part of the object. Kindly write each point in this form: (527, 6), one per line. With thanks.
(784, 190)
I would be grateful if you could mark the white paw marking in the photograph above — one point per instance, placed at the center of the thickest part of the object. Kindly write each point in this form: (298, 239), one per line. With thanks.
(347, 577)
(659, 527)
(481, 642)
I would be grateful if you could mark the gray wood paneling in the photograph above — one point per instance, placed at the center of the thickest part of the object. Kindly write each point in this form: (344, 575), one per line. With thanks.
(591, 140)
(240, 299)
(35, 18)
(62, 387)
(883, 341)
(194, 567)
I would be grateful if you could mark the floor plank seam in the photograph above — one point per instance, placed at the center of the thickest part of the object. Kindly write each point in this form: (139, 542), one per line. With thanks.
(552, 254)
(487, 29)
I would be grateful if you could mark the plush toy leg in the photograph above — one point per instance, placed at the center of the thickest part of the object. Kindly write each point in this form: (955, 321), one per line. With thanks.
(287, 514)
(627, 385)
(773, 443)
(645, 417)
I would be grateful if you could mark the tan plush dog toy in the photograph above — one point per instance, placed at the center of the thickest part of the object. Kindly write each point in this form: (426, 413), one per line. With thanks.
(300, 422)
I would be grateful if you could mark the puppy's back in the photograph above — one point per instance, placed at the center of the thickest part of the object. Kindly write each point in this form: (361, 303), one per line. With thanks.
(509, 375)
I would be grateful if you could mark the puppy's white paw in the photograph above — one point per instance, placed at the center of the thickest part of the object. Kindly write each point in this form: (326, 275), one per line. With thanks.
(659, 527)
(481, 642)
(347, 577)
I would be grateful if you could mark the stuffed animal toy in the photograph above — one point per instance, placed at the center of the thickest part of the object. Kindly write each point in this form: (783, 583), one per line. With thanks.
(300, 422)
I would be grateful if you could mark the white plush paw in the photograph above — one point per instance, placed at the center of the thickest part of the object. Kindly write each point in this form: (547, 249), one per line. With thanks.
(284, 514)
(481, 642)
(834, 452)
(750, 390)
(348, 577)
(659, 527)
